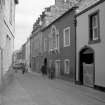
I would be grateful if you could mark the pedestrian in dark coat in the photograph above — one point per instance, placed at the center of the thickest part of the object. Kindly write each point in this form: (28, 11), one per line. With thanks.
(23, 68)
(44, 70)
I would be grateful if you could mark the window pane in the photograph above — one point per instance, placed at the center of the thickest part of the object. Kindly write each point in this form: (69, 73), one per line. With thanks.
(94, 20)
(67, 66)
(94, 27)
(54, 39)
(51, 43)
(57, 67)
(67, 37)
(57, 41)
(45, 44)
(95, 33)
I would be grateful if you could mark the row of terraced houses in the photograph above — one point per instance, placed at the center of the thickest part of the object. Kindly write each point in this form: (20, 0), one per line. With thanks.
(70, 36)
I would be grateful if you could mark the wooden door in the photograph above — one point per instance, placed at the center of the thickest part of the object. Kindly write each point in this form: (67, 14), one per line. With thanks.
(57, 68)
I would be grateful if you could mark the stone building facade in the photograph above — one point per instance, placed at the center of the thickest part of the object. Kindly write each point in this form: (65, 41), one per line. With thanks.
(58, 43)
(50, 14)
(36, 50)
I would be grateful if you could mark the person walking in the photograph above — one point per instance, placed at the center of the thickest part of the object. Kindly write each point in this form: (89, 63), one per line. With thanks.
(43, 70)
(23, 68)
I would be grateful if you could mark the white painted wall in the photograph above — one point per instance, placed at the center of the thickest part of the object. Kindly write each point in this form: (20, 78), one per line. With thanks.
(99, 48)
(7, 29)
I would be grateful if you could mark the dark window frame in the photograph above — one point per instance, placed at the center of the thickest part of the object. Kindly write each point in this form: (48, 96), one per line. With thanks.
(91, 40)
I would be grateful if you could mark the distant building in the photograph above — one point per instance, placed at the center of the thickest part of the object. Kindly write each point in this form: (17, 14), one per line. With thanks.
(27, 55)
(90, 52)
(17, 56)
(7, 29)
(23, 51)
(36, 50)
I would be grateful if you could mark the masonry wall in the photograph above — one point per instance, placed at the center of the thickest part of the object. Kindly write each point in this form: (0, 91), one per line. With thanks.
(67, 52)
(64, 52)
(36, 51)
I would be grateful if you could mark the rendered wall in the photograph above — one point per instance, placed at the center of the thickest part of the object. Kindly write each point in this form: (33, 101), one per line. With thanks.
(99, 48)
(7, 33)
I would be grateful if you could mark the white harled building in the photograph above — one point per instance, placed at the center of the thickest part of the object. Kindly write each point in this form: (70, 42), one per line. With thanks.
(90, 41)
(7, 33)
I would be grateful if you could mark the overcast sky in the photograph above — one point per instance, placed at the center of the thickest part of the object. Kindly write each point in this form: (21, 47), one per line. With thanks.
(27, 11)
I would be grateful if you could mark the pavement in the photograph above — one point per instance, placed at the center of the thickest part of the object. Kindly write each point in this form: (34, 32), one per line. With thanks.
(15, 94)
(33, 89)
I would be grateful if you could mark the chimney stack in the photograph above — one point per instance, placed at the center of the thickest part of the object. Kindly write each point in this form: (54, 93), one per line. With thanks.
(59, 2)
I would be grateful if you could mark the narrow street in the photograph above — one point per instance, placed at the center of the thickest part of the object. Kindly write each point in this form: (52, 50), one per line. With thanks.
(33, 89)
(61, 38)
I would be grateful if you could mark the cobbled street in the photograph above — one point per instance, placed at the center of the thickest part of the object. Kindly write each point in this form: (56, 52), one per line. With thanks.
(33, 89)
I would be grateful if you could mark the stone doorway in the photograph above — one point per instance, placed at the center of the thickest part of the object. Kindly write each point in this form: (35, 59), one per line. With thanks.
(87, 67)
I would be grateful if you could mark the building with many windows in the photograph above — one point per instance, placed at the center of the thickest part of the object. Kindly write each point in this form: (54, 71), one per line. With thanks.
(52, 39)
(73, 43)
(90, 53)
(7, 29)
(47, 17)
(58, 43)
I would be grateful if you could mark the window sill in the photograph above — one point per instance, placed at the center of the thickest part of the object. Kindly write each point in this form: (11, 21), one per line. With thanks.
(94, 41)
(66, 45)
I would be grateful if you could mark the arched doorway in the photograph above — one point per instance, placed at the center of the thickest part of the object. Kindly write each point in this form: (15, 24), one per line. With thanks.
(86, 66)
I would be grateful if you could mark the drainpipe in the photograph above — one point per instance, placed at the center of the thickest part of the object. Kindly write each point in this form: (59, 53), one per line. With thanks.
(75, 25)
(1, 76)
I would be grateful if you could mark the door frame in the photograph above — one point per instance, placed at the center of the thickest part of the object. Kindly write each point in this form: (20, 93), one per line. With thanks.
(81, 65)
(57, 72)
